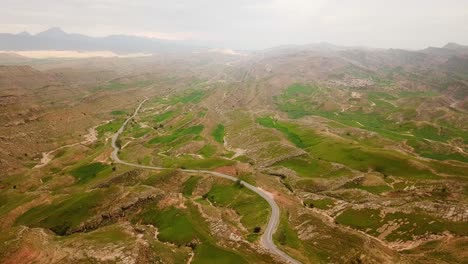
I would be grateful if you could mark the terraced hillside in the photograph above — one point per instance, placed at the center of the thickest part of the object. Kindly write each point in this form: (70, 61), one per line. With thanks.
(365, 152)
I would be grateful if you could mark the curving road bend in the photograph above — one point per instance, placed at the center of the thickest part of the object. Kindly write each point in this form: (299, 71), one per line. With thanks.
(267, 237)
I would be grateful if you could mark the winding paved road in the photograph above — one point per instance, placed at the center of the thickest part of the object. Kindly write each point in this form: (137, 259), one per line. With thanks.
(267, 237)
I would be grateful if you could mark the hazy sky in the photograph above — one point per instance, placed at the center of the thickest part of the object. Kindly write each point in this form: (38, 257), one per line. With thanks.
(251, 24)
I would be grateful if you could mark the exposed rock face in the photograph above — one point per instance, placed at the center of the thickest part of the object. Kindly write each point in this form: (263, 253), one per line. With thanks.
(118, 208)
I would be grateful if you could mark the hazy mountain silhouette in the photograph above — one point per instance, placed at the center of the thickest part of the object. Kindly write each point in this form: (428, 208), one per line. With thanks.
(56, 39)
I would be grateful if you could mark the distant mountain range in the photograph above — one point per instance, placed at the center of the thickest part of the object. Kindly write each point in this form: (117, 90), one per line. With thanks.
(57, 39)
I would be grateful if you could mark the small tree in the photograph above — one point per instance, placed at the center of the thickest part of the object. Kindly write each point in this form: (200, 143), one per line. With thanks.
(257, 229)
(239, 183)
(118, 143)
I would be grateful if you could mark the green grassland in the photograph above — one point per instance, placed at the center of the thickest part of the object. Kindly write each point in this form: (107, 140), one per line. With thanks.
(160, 177)
(164, 116)
(109, 234)
(207, 253)
(307, 167)
(194, 130)
(287, 239)
(193, 96)
(324, 204)
(372, 189)
(410, 224)
(357, 157)
(190, 185)
(254, 211)
(303, 100)
(218, 133)
(11, 199)
(185, 226)
(86, 173)
(207, 151)
(110, 127)
(64, 214)
(138, 132)
(174, 225)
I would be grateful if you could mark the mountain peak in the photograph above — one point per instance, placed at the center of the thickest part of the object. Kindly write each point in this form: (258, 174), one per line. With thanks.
(52, 32)
(24, 33)
(453, 45)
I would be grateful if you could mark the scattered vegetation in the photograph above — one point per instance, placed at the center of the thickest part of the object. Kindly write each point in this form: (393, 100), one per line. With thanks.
(218, 133)
(190, 185)
(85, 173)
(334, 150)
(254, 211)
(324, 204)
(410, 225)
(207, 151)
(163, 116)
(62, 216)
(110, 127)
(194, 130)
(118, 112)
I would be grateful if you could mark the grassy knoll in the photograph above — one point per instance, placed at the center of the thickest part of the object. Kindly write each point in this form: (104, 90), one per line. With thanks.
(161, 177)
(190, 185)
(444, 156)
(194, 96)
(361, 219)
(341, 151)
(140, 132)
(164, 116)
(194, 130)
(109, 234)
(430, 150)
(372, 189)
(10, 200)
(306, 167)
(253, 210)
(287, 238)
(136, 131)
(110, 127)
(285, 235)
(62, 215)
(85, 173)
(410, 224)
(174, 225)
(218, 133)
(207, 151)
(324, 204)
(297, 101)
(207, 253)
(185, 226)
(293, 137)
(297, 90)
(322, 246)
